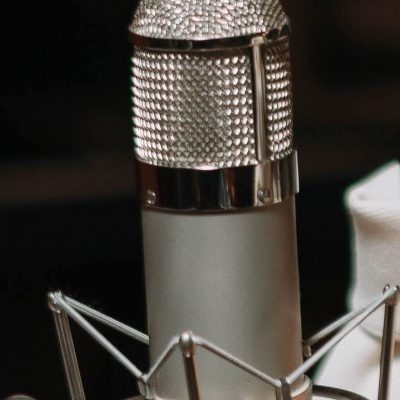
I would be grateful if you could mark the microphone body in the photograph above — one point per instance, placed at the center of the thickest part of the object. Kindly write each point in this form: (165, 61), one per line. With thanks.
(217, 173)
(232, 279)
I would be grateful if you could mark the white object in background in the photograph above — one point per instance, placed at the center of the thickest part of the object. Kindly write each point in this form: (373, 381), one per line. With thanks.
(374, 206)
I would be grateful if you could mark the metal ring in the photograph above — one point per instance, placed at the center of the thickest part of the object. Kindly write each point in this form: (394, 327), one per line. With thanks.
(227, 189)
(205, 44)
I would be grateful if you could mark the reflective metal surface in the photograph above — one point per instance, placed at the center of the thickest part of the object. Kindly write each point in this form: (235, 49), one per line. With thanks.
(212, 90)
(219, 189)
(263, 152)
(57, 299)
(218, 109)
(212, 19)
(106, 320)
(204, 45)
(357, 319)
(188, 343)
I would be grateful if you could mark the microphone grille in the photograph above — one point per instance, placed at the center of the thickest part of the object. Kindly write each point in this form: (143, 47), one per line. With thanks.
(207, 19)
(195, 110)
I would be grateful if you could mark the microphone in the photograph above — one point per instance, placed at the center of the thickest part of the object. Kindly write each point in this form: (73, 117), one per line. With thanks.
(217, 173)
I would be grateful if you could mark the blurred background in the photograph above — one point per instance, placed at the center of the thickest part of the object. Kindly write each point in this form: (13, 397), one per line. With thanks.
(69, 215)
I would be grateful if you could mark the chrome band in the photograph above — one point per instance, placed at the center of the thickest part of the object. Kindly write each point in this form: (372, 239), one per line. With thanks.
(195, 190)
(205, 44)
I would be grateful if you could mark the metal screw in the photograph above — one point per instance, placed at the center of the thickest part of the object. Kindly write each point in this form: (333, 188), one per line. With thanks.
(264, 196)
(307, 351)
(151, 198)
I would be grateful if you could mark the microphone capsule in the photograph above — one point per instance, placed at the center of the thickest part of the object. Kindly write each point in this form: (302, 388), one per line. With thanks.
(213, 104)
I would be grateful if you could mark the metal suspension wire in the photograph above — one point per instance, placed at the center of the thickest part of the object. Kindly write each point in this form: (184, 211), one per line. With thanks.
(64, 307)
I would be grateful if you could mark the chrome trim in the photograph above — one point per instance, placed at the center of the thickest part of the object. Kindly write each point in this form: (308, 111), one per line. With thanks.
(227, 189)
(259, 99)
(205, 44)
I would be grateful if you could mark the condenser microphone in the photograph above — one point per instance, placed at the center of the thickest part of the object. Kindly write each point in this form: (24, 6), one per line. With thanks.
(217, 174)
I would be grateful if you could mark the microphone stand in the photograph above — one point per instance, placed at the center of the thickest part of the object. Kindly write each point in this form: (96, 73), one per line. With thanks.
(64, 307)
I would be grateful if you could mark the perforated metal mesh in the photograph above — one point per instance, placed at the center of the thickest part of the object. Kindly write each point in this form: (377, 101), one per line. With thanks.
(207, 19)
(195, 110)
(279, 99)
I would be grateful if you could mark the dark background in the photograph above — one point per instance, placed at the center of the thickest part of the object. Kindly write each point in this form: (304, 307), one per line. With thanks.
(69, 215)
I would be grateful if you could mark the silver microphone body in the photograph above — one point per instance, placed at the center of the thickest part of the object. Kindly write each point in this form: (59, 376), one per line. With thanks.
(217, 174)
(232, 279)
